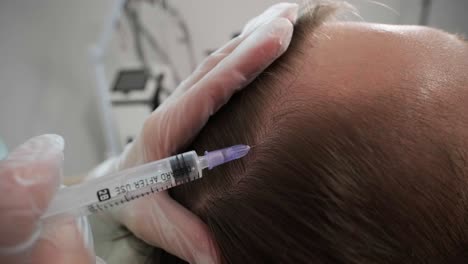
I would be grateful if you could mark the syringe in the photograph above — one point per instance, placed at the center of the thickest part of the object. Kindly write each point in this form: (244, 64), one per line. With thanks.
(130, 184)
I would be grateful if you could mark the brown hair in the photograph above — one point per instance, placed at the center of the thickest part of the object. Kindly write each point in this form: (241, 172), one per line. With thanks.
(322, 183)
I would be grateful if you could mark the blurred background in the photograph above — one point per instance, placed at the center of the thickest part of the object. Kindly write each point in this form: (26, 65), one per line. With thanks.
(91, 71)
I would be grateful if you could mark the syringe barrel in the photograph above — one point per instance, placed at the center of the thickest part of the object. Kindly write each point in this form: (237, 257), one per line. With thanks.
(124, 186)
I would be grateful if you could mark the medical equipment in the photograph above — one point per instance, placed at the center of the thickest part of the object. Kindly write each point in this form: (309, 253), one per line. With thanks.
(130, 184)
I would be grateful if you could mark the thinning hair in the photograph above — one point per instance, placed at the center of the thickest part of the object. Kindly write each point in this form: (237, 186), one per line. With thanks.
(325, 181)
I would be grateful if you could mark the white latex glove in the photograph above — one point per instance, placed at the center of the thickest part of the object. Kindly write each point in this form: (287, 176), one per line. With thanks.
(158, 219)
(29, 178)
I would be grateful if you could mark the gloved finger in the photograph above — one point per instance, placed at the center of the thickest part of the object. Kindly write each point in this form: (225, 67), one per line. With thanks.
(29, 178)
(175, 124)
(64, 239)
(285, 10)
(162, 222)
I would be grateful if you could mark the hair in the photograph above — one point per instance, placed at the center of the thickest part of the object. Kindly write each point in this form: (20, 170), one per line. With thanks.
(324, 182)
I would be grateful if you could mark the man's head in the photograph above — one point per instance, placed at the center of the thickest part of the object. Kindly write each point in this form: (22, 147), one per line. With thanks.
(360, 139)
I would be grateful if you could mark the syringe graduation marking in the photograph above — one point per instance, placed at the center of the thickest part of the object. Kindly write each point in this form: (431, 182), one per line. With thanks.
(129, 197)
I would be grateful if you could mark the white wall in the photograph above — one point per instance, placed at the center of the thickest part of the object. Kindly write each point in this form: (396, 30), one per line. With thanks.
(47, 84)
(450, 15)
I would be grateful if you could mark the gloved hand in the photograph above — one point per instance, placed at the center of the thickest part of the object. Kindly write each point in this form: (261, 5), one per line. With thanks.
(158, 219)
(29, 177)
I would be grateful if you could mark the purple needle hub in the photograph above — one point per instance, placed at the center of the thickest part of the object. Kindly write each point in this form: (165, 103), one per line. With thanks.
(221, 156)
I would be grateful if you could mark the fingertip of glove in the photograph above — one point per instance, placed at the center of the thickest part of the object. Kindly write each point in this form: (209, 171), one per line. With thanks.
(280, 29)
(288, 11)
(39, 148)
(55, 141)
(278, 32)
(280, 10)
(293, 13)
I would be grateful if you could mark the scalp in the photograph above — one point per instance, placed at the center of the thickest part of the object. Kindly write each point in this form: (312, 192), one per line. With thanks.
(349, 163)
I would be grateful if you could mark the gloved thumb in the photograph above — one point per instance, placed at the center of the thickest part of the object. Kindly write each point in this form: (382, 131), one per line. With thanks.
(29, 177)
